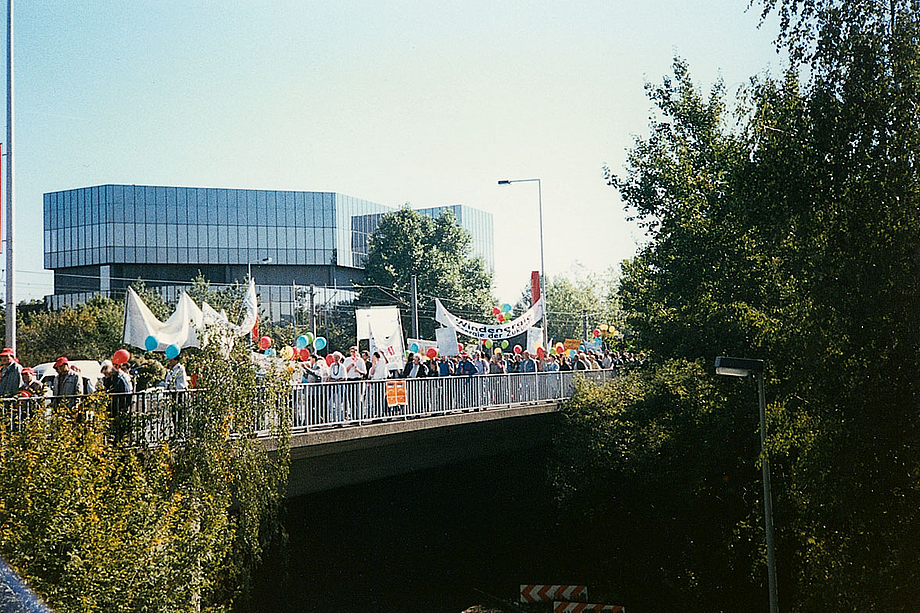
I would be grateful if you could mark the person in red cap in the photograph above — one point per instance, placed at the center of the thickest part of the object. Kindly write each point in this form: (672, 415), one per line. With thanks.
(31, 386)
(67, 382)
(10, 373)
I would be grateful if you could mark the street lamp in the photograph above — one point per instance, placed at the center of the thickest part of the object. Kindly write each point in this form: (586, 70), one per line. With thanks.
(542, 267)
(262, 261)
(742, 367)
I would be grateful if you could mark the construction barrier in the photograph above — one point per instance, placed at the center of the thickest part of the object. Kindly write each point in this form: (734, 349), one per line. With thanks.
(548, 593)
(584, 607)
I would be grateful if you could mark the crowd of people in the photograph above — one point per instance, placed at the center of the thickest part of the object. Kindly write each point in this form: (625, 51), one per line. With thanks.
(23, 382)
(361, 364)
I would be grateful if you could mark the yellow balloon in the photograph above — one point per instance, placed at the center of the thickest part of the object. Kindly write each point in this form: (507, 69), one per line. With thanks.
(287, 353)
(603, 327)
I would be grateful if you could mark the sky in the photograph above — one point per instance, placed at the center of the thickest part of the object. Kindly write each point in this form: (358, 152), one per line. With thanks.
(426, 103)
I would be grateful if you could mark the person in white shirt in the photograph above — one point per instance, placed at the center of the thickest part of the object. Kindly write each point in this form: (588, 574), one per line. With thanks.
(355, 367)
(379, 368)
(176, 377)
(337, 374)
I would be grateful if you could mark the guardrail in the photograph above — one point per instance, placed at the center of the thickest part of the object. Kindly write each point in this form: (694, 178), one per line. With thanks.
(154, 416)
(320, 405)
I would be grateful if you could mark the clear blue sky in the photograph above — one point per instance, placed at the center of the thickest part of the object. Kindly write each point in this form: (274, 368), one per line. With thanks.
(426, 103)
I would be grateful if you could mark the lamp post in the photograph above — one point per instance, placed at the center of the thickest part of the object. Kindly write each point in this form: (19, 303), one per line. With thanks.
(742, 367)
(542, 267)
(262, 261)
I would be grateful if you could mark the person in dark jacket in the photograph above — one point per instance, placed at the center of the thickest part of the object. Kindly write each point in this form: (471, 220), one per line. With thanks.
(10, 373)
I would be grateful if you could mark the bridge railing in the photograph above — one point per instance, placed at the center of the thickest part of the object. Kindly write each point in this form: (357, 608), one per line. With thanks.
(155, 416)
(315, 405)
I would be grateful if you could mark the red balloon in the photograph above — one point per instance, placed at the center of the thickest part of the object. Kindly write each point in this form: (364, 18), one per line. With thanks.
(540, 352)
(304, 353)
(596, 332)
(501, 318)
(460, 347)
(496, 310)
(329, 360)
(431, 352)
(121, 356)
(517, 349)
(265, 343)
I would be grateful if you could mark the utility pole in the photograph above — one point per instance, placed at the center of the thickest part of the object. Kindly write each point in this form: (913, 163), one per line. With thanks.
(414, 307)
(312, 310)
(10, 262)
(584, 325)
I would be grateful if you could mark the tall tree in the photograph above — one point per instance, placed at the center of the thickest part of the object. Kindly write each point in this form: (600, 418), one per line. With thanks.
(438, 252)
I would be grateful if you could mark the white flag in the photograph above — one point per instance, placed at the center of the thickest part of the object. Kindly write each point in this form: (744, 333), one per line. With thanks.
(251, 310)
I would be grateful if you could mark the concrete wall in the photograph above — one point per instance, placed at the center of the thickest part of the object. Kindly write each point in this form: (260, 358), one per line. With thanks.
(334, 458)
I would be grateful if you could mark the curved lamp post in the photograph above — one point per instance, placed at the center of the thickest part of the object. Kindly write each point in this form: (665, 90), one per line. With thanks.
(743, 367)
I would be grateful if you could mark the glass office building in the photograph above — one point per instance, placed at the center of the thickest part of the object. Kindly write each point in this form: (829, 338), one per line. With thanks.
(99, 239)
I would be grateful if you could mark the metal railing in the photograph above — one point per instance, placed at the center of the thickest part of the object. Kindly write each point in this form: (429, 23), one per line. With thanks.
(320, 405)
(154, 416)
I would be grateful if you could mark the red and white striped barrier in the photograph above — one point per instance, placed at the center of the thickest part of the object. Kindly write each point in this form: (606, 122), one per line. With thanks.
(584, 607)
(547, 593)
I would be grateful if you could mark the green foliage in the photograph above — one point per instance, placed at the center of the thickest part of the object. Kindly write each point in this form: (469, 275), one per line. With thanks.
(567, 297)
(94, 525)
(91, 331)
(793, 237)
(437, 251)
(657, 472)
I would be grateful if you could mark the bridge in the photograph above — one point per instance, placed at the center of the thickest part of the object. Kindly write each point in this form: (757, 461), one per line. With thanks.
(349, 432)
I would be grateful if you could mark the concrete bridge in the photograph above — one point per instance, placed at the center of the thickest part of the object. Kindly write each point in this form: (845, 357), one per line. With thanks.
(345, 433)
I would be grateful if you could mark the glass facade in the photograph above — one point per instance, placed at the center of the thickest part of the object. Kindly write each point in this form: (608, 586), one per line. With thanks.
(98, 239)
(136, 224)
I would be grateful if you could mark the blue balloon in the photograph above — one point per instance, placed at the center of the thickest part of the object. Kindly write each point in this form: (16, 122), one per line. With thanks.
(581, 347)
(172, 351)
(506, 308)
(319, 343)
(151, 343)
(302, 342)
(414, 347)
(270, 351)
(571, 353)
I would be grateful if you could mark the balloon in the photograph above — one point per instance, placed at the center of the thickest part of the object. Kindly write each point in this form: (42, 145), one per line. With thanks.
(304, 353)
(560, 348)
(488, 343)
(501, 318)
(329, 360)
(265, 342)
(597, 332)
(496, 310)
(540, 352)
(460, 347)
(269, 352)
(414, 347)
(151, 343)
(552, 351)
(506, 308)
(517, 349)
(431, 352)
(319, 343)
(310, 338)
(498, 350)
(287, 352)
(504, 344)
(571, 353)
(302, 341)
(172, 351)
(603, 327)
(121, 356)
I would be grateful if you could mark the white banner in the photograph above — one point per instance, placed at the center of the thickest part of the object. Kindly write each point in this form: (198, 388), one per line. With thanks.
(382, 328)
(485, 331)
(447, 341)
(534, 339)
